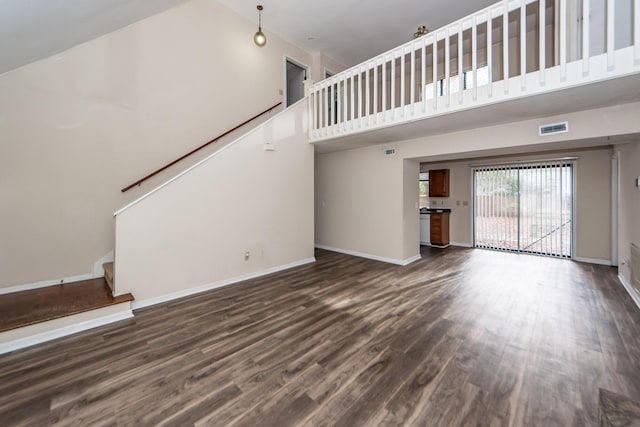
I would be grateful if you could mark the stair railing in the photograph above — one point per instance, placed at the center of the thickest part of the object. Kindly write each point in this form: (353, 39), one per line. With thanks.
(206, 144)
(550, 46)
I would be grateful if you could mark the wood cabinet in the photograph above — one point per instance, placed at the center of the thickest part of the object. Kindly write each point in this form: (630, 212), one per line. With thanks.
(439, 183)
(440, 229)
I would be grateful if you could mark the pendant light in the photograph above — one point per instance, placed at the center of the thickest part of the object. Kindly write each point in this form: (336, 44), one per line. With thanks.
(259, 38)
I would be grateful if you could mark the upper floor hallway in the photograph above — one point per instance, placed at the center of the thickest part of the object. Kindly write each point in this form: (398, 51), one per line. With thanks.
(514, 60)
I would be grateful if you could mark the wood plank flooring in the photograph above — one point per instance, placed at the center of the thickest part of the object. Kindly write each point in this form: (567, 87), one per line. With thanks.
(461, 337)
(39, 305)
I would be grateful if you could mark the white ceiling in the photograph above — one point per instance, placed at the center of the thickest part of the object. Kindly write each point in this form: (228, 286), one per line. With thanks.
(349, 31)
(352, 31)
(35, 29)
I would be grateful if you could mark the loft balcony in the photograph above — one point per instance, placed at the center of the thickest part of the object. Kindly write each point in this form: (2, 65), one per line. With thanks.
(560, 56)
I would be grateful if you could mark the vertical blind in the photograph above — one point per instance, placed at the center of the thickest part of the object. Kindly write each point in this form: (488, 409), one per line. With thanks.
(524, 207)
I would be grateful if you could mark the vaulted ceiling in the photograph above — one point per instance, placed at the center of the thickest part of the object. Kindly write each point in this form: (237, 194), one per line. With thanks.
(349, 31)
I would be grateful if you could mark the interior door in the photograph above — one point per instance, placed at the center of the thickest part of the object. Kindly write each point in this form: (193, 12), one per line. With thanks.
(296, 75)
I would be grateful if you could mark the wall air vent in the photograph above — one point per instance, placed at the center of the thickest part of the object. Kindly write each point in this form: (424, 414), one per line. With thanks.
(554, 128)
(389, 151)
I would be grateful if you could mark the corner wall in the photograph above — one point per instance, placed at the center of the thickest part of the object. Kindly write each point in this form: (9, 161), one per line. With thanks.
(629, 212)
(192, 234)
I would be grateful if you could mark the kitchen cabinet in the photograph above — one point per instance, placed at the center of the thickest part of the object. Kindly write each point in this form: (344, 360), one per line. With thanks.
(439, 229)
(439, 183)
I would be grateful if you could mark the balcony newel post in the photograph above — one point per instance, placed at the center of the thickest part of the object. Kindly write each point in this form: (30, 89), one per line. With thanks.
(403, 82)
(563, 40)
(447, 68)
(375, 91)
(460, 65)
(523, 45)
(423, 75)
(505, 46)
(393, 86)
(490, 52)
(585, 37)
(610, 34)
(434, 54)
(383, 106)
(368, 93)
(412, 97)
(474, 56)
(543, 43)
(310, 102)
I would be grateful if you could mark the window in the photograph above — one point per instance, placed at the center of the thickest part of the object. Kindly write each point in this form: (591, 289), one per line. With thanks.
(424, 190)
(467, 82)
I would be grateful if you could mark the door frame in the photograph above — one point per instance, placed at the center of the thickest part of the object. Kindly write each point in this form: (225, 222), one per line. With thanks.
(574, 172)
(307, 70)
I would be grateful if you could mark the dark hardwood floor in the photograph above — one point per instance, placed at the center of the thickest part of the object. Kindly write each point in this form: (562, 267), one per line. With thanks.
(39, 305)
(462, 337)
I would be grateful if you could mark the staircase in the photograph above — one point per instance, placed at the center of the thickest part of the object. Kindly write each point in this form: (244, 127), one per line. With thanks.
(34, 316)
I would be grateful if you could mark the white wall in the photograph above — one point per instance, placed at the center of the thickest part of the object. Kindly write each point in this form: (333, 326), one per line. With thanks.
(629, 225)
(193, 233)
(359, 192)
(592, 198)
(321, 64)
(359, 203)
(79, 126)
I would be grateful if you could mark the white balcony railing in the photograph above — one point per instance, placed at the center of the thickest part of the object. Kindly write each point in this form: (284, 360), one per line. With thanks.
(549, 47)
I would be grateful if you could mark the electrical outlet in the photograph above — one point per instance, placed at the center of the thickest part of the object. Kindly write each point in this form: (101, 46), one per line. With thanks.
(247, 255)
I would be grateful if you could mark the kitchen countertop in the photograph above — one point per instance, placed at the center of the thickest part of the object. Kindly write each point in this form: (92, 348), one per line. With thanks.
(435, 210)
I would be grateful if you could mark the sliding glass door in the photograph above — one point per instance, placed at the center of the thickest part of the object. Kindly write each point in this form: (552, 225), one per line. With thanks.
(525, 207)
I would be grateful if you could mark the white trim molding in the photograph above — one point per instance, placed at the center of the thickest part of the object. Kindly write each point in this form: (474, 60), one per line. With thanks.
(211, 286)
(46, 283)
(592, 260)
(370, 256)
(632, 293)
(28, 336)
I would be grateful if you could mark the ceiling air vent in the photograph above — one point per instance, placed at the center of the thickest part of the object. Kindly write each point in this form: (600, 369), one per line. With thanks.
(389, 151)
(554, 128)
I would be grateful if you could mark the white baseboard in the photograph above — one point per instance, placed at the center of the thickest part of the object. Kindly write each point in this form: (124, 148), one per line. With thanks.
(373, 257)
(136, 304)
(28, 336)
(45, 283)
(632, 292)
(592, 260)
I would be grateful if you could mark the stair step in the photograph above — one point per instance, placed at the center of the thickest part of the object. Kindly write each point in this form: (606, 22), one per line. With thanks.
(108, 274)
(26, 308)
(617, 410)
